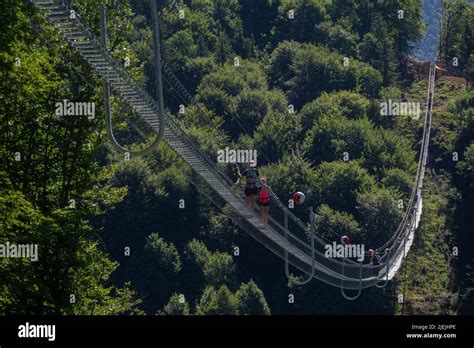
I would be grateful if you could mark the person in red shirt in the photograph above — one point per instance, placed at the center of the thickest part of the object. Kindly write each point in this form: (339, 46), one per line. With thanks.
(264, 199)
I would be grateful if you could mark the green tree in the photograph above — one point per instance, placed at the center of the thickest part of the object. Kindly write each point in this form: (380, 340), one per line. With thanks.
(49, 196)
(217, 302)
(304, 71)
(398, 179)
(176, 306)
(278, 69)
(192, 277)
(181, 47)
(239, 94)
(69, 263)
(218, 232)
(194, 70)
(369, 81)
(457, 34)
(306, 15)
(379, 214)
(127, 223)
(250, 300)
(250, 106)
(206, 267)
(349, 104)
(276, 135)
(377, 48)
(334, 136)
(387, 34)
(331, 224)
(314, 70)
(219, 268)
(257, 19)
(154, 271)
(335, 37)
(337, 184)
(292, 173)
(223, 52)
(337, 138)
(466, 166)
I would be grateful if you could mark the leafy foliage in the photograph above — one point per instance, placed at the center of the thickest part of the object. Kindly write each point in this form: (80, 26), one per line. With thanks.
(303, 91)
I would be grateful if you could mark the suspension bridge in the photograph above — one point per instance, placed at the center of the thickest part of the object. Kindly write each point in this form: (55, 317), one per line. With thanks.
(285, 234)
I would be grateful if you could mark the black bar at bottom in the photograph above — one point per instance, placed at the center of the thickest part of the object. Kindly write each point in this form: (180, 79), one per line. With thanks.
(338, 330)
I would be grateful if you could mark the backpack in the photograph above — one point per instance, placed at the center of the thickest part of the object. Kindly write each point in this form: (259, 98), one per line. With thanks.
(251, 176)
(263, 195)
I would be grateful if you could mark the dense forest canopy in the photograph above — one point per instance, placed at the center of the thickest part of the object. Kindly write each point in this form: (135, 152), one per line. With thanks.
(301, 82)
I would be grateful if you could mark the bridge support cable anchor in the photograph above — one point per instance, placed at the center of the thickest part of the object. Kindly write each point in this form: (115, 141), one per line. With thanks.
(313, 262)
(359, 291)
(381, 286)
(108, 117)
